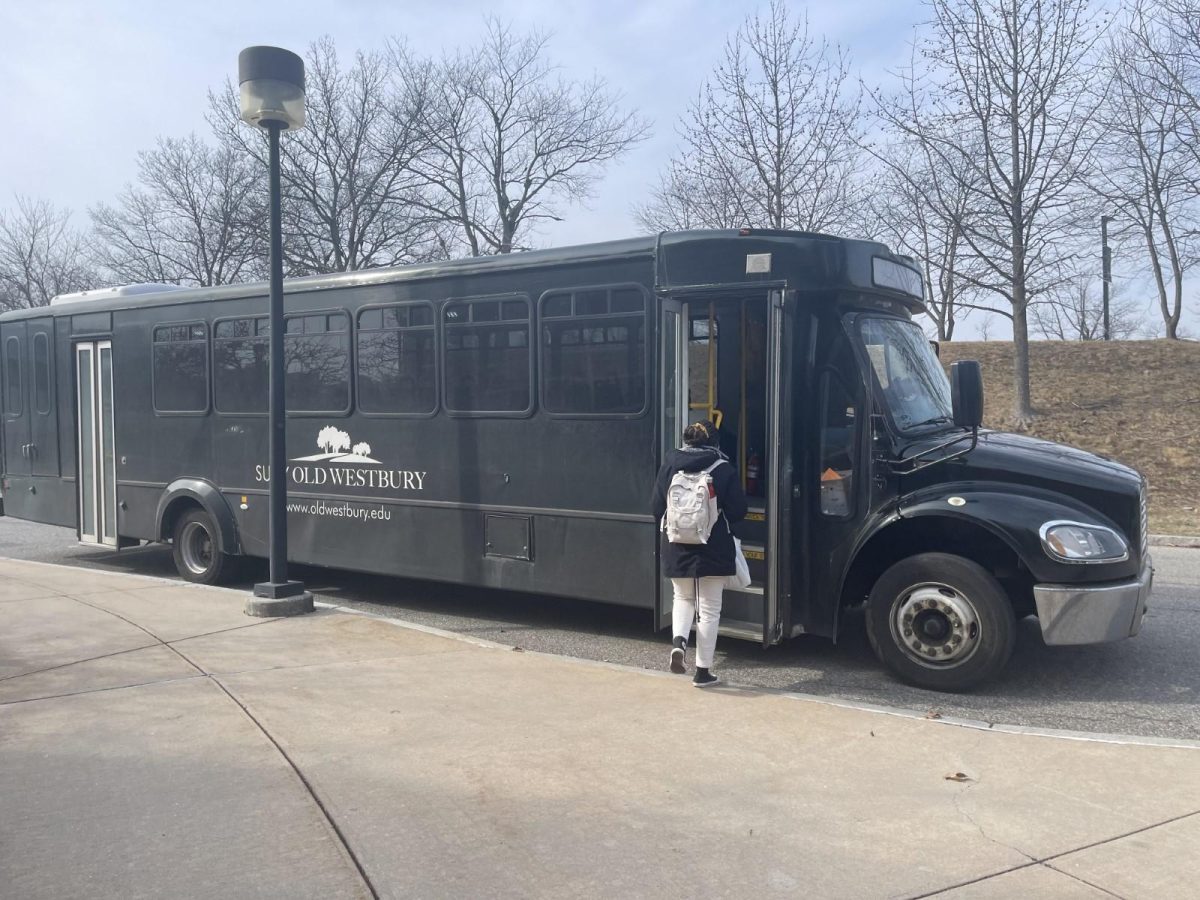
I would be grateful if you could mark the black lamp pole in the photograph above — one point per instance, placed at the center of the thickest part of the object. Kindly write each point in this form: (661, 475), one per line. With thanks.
(278, 484)
(1106, 271)
(272, 94)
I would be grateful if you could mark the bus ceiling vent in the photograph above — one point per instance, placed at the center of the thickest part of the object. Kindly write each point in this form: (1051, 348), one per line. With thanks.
(112, 293)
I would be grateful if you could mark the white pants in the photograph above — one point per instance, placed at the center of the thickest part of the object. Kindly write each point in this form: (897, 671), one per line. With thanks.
(683, 612)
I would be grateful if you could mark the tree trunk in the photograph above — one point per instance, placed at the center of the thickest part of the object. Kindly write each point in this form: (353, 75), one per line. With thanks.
(1022, 407)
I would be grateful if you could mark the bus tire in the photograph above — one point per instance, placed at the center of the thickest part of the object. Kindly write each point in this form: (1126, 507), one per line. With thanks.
(196, 548)
(941, 622)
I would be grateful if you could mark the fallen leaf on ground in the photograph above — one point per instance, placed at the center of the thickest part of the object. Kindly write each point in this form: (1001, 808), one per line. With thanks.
(934, 714)
(958, 776)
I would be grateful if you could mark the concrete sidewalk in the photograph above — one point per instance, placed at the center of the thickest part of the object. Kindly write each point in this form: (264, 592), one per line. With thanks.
(156, 742)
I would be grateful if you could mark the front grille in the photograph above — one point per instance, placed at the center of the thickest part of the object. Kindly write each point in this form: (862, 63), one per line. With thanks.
(1143, 522)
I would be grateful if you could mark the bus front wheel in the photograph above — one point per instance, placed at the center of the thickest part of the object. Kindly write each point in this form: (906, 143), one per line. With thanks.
(941, 622)
(197, 551)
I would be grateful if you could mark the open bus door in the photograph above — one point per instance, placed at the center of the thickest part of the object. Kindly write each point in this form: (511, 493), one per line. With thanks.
(721, 357)
(672, 385)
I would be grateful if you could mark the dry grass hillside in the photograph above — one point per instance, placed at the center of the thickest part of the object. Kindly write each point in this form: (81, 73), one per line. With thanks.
(1136, 401)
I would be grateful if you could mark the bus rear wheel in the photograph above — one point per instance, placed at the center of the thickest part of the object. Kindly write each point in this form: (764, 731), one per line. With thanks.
(941, 622)
(197, 550)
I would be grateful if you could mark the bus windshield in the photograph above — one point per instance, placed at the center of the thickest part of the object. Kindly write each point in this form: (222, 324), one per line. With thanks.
(909, 376)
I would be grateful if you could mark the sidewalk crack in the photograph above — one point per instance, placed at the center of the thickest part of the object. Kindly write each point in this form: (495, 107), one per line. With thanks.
(308, 786)
(1048, 860)
(103, 690)
(76, 662)
(959, 797)
(1090, 884)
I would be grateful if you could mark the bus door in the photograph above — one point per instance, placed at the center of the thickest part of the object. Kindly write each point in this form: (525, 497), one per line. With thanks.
(722, 360)
(14, 349)
(673, 400)
(97, 475)
(30, 416)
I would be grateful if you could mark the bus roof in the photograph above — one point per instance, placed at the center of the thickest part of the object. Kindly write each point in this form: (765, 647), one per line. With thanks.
(661, 247)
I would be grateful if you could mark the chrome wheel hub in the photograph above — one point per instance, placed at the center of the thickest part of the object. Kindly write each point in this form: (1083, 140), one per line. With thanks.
(196, 548)
(935, 625)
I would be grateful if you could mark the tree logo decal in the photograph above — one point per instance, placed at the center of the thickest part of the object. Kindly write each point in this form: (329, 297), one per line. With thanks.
(336, 448)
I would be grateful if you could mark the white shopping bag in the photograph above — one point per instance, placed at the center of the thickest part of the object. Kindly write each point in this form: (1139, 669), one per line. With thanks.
(741, 578)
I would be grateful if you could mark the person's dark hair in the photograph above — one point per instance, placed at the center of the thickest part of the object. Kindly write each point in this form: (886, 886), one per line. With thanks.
(701, 434)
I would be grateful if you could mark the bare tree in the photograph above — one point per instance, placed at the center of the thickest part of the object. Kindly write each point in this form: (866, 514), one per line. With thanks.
(41, 255)
(197, 218)
(509, 139)
(351, 199)
(1014, 73)
(986, 323)
(1174, 60)
(693, 193)
(1075, 312)
(772, 140)
(1149, 176)
(922, 208)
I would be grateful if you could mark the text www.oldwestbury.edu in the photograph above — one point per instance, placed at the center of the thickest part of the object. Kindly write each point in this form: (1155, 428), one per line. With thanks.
(340, 511)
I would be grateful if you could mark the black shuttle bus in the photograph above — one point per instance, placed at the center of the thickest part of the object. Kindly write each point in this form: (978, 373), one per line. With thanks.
(499, 422)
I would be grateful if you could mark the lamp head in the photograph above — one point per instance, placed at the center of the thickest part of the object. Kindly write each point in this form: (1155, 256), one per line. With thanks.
(272, 87)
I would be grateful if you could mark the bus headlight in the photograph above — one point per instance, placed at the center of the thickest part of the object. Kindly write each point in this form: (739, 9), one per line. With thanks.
(1075, 542)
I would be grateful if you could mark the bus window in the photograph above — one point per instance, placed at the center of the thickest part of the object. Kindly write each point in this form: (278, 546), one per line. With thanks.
(395, 360)
(838, 424)
(41, 373)
(316, 354)
(181, 368)
(241, 378)
(487, 356)
(12, 377)
(593, 355)
(910, 378)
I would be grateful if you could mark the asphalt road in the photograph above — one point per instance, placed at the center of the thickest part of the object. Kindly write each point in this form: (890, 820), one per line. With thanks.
(1147, 686)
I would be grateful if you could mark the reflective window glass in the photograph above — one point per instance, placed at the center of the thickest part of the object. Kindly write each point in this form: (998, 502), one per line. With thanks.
(180, 368)
(487, 362)
(594, 361)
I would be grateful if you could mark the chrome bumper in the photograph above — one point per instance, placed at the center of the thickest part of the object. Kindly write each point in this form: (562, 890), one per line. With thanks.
(1079, 614)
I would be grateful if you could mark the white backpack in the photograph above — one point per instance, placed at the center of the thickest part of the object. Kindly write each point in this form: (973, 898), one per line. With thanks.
(691, 507)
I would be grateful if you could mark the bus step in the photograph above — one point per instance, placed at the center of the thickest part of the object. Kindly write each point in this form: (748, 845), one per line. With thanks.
(753, 528)
(735, 628)
(756, 559)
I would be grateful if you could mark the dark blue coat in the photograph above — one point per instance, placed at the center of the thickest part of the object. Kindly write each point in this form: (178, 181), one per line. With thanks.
(715, 557)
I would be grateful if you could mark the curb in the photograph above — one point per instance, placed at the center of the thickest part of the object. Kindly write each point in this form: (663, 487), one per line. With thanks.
(1174, 540)
(1095, 737)
(726, 687)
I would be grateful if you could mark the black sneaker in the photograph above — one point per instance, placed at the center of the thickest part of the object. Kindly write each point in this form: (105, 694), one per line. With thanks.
(678, 666)
(704, 678)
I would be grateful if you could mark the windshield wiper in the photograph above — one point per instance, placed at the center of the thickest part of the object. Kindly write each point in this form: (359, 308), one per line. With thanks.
(936, 420)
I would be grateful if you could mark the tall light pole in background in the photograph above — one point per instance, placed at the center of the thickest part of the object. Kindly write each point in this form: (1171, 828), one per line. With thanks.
(1106, 271)
(272, 97)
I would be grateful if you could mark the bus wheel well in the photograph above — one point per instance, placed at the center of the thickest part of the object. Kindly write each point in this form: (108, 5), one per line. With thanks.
(908, 537)
(173, 513)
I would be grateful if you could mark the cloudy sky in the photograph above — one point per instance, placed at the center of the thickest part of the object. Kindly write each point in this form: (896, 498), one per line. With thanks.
(88, 84)
(85, 85)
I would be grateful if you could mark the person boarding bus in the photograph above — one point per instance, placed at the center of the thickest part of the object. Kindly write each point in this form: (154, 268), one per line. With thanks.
(697, 498)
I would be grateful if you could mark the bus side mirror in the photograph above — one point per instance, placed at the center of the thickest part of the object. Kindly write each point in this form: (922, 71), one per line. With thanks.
(936, 348)
(966, 393)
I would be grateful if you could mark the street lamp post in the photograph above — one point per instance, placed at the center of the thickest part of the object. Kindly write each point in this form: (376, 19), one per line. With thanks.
(272, 97)
(1106, 271)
